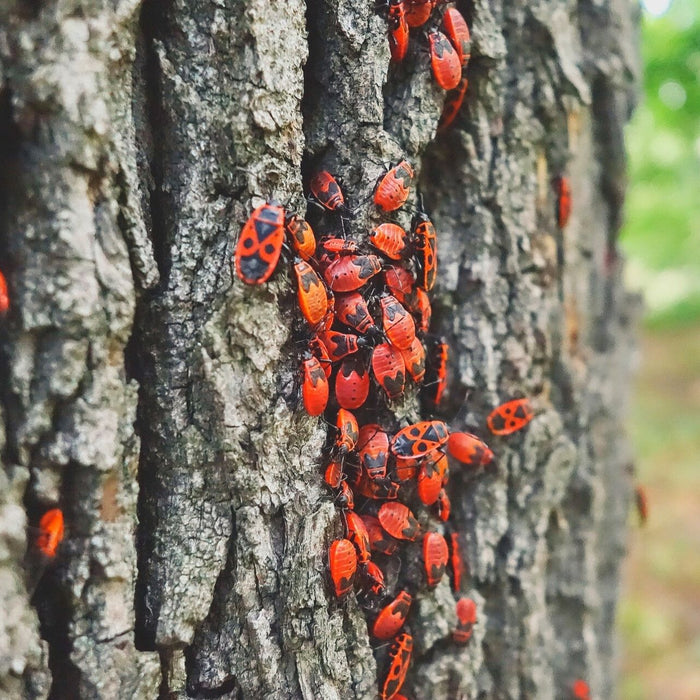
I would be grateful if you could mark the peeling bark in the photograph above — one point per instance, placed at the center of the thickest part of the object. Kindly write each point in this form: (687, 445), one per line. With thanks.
(155, 399)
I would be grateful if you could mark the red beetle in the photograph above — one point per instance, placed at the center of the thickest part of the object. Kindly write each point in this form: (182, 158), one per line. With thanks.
(443, 506)
(419, 439)
(351, 272)
(398, 520)
(357, 534)
(457, 32)
(429, 484)
(302, 236)
(351, 383)
(453, 103)
(401, 284)
(352, 310)
(51, 531)
(389, 369)
(418, 11)
(340, 345)
(510, 417)
(342, 562)
(345, 498)
(468, 449)
(373, 448)
(422, 309)
(436, 372)
(333, 475)
(392, 616)
(425, 245)
(390, 239)
(314, 387)
(414, 359)
(399, 326)
(311, 292)
(348, 432)
(374, 578)
(456, 562)
(398, 30)
(260, 244)
(4, 295)
(581, 690)
(392, 189)
(399, 660)
(326, 190)
(379, 539)
(466, 618)
(562, 187)
(318, 350)
(434, 557)
(447, 68)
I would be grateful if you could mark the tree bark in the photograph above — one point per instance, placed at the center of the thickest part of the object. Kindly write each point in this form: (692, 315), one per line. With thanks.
(155, 399)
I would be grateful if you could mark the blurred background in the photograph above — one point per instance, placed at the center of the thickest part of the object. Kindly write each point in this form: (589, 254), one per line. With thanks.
(660, 608)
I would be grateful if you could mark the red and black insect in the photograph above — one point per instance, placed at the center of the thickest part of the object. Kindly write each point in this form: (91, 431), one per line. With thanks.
(374, 579)
(392, 616)
(400, 654)
(457, 31)
(345, 498)
(425, 245)
(326, 190)
(510, 417)
(51, 531)
(453, 103)
(642, 503)
(447, 68)
(581, 690)
(423, 310)
(468, 449)
(260, 244)
(418, 11)
(373, 448)
(443, 506)
(457, 565)
(562, 187)
(358, 535)
(390, 239)
(399, 326)
(389, 369)
(436, 372)
(350, 272)
(301, 235)
(379, 539)
(414, 359)
(434, 557)
(351, 383)
(398, 30)
(348, 432)
(419, 439)
(4, 295)
(466, 618)
(334, 246)
(340, 345)
(319, 351)
(393, 188)
(401, 284)
(311, 293)
(342, 561)
(352, 310)
(398, 520)
(333, 475)
(314, 387)
(429, 483)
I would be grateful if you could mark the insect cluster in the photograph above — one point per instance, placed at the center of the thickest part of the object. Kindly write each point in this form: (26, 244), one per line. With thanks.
(449, 45)
(367, 316)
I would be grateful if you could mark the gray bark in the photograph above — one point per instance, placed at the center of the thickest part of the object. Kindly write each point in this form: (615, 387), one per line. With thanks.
(155, 399)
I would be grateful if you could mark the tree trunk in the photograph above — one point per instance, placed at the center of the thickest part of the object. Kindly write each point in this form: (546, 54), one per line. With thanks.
(154, 397)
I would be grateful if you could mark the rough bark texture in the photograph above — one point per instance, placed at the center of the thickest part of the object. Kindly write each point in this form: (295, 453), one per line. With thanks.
(155, 399)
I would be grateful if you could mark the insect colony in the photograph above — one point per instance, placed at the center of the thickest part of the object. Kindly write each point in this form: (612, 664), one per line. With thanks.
(367, 310)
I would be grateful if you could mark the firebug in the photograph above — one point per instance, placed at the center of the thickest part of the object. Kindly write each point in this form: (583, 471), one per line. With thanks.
(311, 292)
(401, 284)
(443, 506)
(466, 618)
(436, 372)
(457, 565)
(447, 68)
(326, 190)
(414, 359)
(379, 539)
(345, 498)
(260, 244)
(423, 310)
(398, 520)
(333, 475)
(351, 272)
(374, 578)
(314, 387)
(393, 188)
(389, 369)
(319, 351)
(392, 616)
(399, 326)
(377, 489)
(400, 654)
(426, 250)
(429, 484)
(352, 310)
(468, 449)
(358, 535)
(510, 417)
(457, 31)
(301, 235)
(390, 239)
(340, 345)
(51, 530)
(398, 30)
(373, 448)
(434, 557)
(348, 432)
(342, 561)
(351, 383)
(562, 187)
(419, 439)
(418, 12)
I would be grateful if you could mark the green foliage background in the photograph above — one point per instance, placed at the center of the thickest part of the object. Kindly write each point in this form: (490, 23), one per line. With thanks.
(659, 612)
